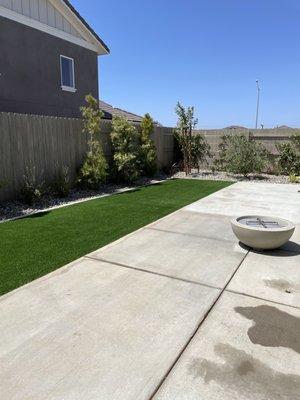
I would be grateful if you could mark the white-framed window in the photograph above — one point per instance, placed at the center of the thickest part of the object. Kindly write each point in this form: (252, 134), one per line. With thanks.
(67, 73)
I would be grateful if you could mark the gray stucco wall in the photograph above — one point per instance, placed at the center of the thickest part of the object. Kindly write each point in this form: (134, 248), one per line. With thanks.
(30, 80)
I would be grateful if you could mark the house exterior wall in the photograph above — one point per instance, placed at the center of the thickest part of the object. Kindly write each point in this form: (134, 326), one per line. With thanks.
(30, 80)
(42, 11)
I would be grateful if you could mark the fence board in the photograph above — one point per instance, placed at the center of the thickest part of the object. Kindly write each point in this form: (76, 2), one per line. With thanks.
(28, 141)
(45, 142)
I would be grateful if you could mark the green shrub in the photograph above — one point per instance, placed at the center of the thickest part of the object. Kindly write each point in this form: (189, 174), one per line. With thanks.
(62, 184)
(296, 141)
(289, 156)
(148, 157)
(125, 140)
(95, 168)
(32, 189)
(239, 155)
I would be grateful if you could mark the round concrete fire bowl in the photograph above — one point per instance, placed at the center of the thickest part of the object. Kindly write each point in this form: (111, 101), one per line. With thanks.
(262, 233)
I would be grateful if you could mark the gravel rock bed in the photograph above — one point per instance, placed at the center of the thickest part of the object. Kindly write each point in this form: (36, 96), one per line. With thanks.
(224, 176)
(16, 209)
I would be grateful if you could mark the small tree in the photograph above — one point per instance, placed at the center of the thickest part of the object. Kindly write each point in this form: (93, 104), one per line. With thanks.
(94, 169)
(92, 116)
(125, 140)
(185, 125)
(148, 151)
(239, 155)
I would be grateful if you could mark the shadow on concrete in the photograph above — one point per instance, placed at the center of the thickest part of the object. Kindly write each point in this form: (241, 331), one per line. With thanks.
(272, 327)
(291, 249)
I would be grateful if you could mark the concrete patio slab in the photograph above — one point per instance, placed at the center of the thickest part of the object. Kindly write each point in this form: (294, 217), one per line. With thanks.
(112, 325)
(273, 276)
(177, 255)
(246, 349)
(245, 198)
(209, 226)
(95, 331)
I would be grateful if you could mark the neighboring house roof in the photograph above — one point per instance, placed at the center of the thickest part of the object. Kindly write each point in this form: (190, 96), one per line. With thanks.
(110, 111)
(72, 8)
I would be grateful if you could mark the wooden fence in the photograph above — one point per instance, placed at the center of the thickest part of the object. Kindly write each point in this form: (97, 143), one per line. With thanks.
(47, 143)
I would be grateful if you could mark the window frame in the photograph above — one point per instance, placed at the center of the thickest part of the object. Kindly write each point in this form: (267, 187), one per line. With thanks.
(64, 87)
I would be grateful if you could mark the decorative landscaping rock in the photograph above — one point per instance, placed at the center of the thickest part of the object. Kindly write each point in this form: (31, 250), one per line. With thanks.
(262, 233)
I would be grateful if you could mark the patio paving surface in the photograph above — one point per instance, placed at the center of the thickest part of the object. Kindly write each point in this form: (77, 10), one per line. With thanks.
(175, 311)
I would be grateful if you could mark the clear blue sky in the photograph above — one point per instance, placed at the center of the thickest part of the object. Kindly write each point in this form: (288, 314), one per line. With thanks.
(206, 53)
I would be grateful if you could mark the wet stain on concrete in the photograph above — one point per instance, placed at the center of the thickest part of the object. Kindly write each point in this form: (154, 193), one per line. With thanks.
(281, 285)
(246, 375)
(272, 327)
(245, 368)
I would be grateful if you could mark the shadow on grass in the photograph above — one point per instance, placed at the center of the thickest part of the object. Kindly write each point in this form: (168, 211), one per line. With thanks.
(40, 214)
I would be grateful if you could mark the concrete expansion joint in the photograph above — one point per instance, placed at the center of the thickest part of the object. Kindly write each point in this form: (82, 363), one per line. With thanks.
(197, 329)
(189, 234)
(116, 264)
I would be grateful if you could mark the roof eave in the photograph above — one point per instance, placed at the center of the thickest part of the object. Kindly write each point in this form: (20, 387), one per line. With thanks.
(102, 48)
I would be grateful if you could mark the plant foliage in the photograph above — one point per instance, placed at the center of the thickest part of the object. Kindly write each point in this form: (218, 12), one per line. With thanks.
(239, 155)
(62, 184)
(32, 190)
(94, 169)
(125, 140)
(148, 157)
(289, 156)
(185, 125)
(200, 150)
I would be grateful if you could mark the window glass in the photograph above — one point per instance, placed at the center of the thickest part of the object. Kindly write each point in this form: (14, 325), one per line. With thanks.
(67, 72)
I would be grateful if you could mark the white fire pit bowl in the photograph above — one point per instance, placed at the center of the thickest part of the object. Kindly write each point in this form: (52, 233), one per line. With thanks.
(262, 233)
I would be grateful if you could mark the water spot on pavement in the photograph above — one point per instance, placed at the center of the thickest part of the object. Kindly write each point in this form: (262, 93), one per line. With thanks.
(272, 327)
(281, 285)
(245, 368)
(246, 375)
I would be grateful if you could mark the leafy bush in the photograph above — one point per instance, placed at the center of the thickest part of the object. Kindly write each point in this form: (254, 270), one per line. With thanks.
(32, 190)
(289, 156)
(200, 150)
(296, 141)
(94, 169)
(62, 184)
(148, 157)
(125, 140)
(239, 155)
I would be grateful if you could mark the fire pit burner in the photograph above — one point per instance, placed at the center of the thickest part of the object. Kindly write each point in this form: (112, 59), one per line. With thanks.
(264, 233)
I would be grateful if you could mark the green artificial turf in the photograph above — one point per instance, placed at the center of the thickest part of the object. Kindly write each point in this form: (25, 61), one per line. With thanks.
(36, 245)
